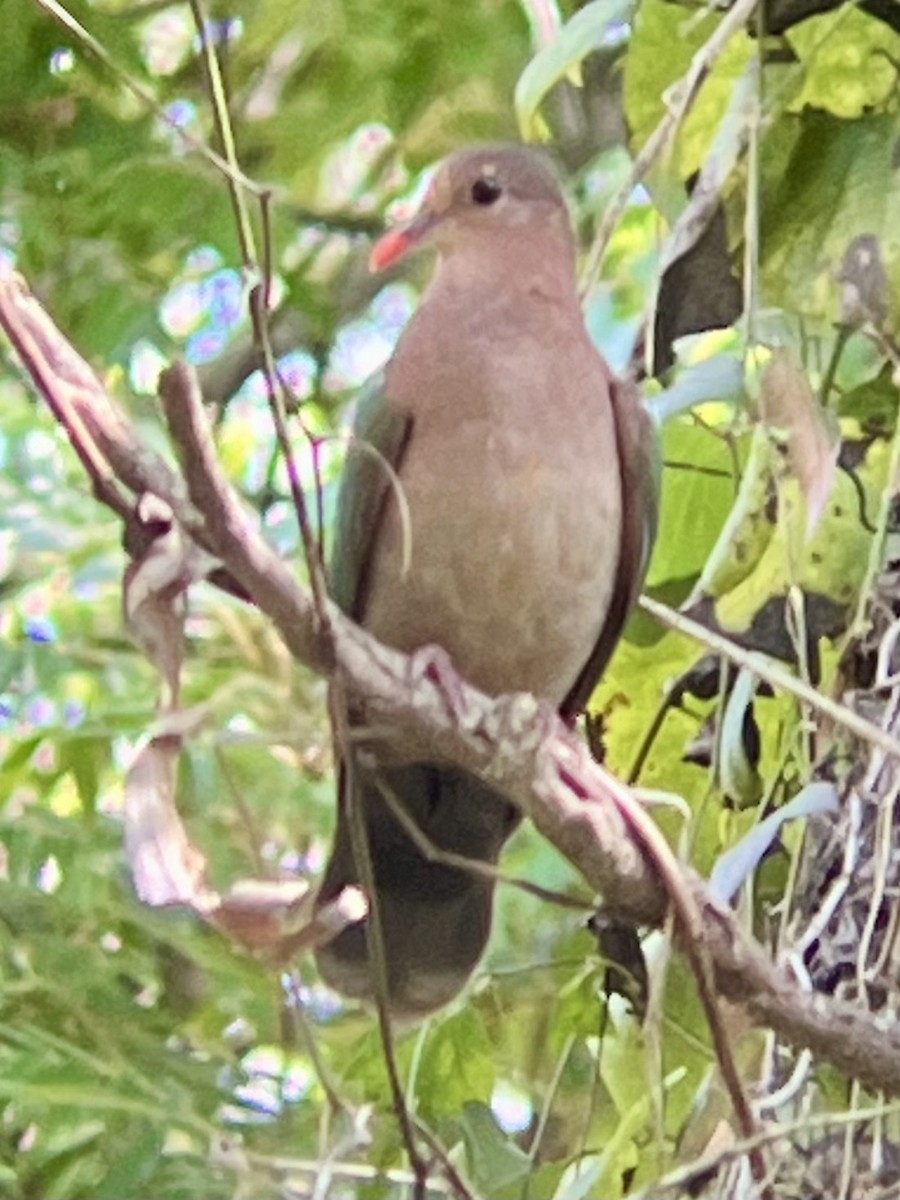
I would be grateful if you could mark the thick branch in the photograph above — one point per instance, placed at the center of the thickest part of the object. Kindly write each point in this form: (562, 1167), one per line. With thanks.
(528, 753)
(515, 742)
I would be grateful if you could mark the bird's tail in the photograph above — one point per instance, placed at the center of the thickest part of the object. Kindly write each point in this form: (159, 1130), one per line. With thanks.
(435, 918)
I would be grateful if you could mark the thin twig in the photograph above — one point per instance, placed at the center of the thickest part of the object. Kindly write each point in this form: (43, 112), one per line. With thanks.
(276, 395)
(225, 132)
(260, 308)
(296, 1011)
(473, 866)
(375, 941)
(772, 673)
(683, 1180)
(144, 94)
(682, 95)
(461, 1189)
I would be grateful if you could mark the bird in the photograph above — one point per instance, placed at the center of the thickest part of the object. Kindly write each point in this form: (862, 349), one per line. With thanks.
(498, 501)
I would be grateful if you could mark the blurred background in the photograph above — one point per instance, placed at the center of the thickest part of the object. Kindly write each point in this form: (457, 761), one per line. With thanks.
(143, 1054)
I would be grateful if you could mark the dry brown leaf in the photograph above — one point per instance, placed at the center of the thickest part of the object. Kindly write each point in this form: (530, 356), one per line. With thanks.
(165, 866)
(275, 916)
(790, 408)
(154, 591)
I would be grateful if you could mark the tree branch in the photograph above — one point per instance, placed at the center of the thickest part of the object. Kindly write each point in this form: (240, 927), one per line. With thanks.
(515, 742)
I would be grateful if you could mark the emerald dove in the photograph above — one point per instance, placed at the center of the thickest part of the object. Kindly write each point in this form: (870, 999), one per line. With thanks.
(498, 501)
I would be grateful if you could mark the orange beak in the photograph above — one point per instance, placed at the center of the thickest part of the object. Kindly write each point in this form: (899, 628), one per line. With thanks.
(394, 244)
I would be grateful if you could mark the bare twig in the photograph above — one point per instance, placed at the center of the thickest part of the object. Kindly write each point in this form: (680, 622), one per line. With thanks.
(260, 302)
(362, 856)
(144, 94)
(773, 673)
(682, 96)
(523, 749)
(473, 866)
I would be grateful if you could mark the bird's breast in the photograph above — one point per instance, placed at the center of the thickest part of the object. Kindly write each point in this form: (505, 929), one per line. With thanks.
(514, 515)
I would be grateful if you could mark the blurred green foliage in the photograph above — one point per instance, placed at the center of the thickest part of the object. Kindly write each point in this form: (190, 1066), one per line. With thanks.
(141, 1054)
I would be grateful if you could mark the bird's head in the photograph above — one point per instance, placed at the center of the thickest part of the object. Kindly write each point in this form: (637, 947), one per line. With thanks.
(489, 193)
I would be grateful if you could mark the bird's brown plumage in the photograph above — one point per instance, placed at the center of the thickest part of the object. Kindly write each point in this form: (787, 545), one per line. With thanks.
(511, 444)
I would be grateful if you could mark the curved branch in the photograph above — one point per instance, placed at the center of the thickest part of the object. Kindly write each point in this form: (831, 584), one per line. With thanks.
(517, 743)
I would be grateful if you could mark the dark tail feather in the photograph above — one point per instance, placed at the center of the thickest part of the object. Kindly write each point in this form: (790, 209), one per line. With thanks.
(435, 919)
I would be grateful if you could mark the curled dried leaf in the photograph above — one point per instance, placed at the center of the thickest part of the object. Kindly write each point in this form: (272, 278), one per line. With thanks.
(165, 866)
(154, 590)
(277, 916)
(274, 916)
(812, 440)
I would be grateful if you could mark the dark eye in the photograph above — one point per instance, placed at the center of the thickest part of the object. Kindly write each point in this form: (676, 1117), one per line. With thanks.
(486, 191)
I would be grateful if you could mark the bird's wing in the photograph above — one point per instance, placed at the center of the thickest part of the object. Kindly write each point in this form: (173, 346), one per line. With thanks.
(381, 436)
(639, 467)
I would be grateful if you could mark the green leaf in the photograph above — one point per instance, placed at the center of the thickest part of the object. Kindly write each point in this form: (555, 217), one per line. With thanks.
(698, 486)
(457, 1064)
(849, 59)
(495, 1161)
(831, 182)
(588, 30)
(740, 778)
(749, 526)
(665, 39)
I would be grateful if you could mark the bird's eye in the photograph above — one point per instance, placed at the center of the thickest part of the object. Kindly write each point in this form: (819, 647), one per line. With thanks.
(486, 191)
